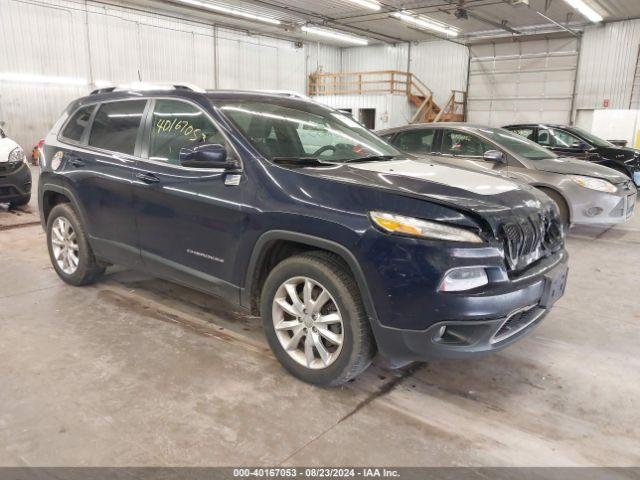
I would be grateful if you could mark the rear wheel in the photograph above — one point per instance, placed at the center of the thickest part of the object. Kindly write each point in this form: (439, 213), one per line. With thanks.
(69, 249)
(315, 321)
(563, 207)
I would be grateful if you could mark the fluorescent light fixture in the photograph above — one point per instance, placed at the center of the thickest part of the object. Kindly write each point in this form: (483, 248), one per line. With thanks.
(335, 35)
(426, 23)
(230, 11)
(31, 78)
(585, 10)
(367, 4)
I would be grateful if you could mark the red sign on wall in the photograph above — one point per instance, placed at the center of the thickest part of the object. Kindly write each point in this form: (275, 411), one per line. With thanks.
(605, 103)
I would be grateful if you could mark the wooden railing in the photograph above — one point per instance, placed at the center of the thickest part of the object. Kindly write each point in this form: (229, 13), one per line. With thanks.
(389, 82)
(454, 109)
(359, 83)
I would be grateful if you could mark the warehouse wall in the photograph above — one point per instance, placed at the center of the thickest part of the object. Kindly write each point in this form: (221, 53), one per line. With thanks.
(90, 42)
(441, 65)
(608, 61)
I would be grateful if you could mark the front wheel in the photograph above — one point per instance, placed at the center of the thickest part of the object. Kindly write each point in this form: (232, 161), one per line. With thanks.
(69, 249)
(315, 321)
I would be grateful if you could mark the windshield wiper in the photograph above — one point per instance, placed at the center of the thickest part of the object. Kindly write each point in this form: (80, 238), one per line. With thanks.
(298, 161)
(369, 158)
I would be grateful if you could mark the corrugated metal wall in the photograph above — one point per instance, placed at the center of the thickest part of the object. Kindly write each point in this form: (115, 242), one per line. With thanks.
(441, 65)
(608, 58)
(96, 42)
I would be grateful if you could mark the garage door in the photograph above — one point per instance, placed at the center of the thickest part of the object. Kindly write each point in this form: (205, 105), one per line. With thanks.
(528, 81)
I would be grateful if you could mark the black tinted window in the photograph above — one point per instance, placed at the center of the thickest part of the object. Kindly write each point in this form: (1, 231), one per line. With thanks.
(78, 123)
(415, 141)
(115, 126)
(178, 124)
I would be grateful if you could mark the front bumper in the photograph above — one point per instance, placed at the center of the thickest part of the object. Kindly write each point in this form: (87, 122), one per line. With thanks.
(16, 184)
(590, 207)
(485, 322)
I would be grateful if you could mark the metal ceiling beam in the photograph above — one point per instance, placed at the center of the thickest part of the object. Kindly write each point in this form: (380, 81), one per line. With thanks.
(327, 21)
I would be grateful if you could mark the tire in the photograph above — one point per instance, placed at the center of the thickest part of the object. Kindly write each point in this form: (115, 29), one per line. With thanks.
(324, 272)
(87, 269)
(562, 205)
(21, 202)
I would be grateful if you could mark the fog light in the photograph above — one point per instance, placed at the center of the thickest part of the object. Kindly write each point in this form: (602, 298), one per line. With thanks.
(593, 211)
(440, 333)
(463, 278)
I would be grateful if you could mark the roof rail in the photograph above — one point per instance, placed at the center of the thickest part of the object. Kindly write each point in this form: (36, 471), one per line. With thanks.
(287, 93)
(149, 86)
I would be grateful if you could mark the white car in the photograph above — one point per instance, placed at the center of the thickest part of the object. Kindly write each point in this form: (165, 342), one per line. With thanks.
(15, 176)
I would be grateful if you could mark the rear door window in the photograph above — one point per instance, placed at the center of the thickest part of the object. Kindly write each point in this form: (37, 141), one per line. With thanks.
(525, 132)
(115, 126)
(463, 144)
(77, 124)
(415, 141)
(175, 125)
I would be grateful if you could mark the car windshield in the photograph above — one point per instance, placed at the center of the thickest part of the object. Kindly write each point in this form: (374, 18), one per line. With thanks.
(517, 144)
(294, 129)
(591, 138)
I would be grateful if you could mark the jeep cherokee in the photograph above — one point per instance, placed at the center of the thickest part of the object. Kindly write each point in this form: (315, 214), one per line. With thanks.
(345, 246)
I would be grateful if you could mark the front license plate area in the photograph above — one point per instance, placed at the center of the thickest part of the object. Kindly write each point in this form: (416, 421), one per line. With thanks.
(554, 287)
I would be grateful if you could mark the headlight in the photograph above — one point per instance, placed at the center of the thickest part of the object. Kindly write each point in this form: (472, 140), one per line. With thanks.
(416, 227)
(594, 183)
(16, 155)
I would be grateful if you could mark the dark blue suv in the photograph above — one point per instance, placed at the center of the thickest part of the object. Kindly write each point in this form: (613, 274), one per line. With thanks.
(345, 246)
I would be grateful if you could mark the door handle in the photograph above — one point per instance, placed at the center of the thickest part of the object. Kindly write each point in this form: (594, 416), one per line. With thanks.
(76, 162)
(147, 177)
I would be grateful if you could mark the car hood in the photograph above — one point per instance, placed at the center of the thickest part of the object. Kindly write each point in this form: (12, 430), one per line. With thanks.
(494, 199)
(572, 166)
(620, 154)
(6, 146)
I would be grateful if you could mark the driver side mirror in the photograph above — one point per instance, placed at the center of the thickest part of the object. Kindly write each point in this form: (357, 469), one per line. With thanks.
(495, 156)
(579, 145)
(206, 156)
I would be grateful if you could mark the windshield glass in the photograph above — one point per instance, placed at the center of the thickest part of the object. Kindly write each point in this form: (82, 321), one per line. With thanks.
(517, 144)
(591, 138)
(297, 129)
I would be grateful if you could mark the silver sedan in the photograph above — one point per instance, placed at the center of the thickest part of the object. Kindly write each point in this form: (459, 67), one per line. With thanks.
(586, 193)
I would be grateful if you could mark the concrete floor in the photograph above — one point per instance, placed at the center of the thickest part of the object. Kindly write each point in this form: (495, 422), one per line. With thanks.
(136, 371)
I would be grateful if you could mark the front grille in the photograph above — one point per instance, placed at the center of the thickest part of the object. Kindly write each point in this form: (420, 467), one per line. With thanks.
(9, 167)
(517, 322)
(7, 191)
(527, 240)
(631, 203)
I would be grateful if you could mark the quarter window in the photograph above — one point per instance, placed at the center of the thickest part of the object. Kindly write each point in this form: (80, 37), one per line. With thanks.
(415, 141)
(115, 126)
(176, 125)
(78, 123)
(463, 144)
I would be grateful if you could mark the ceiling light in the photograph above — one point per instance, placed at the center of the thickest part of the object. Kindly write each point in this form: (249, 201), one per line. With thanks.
(367, 4)
(335, 35)
(585, 10)
(424, 22)
(230, 11)
(31, 78)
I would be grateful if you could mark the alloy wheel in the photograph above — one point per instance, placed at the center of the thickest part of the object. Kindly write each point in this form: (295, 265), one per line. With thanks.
(308, 322)
(64, 243)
